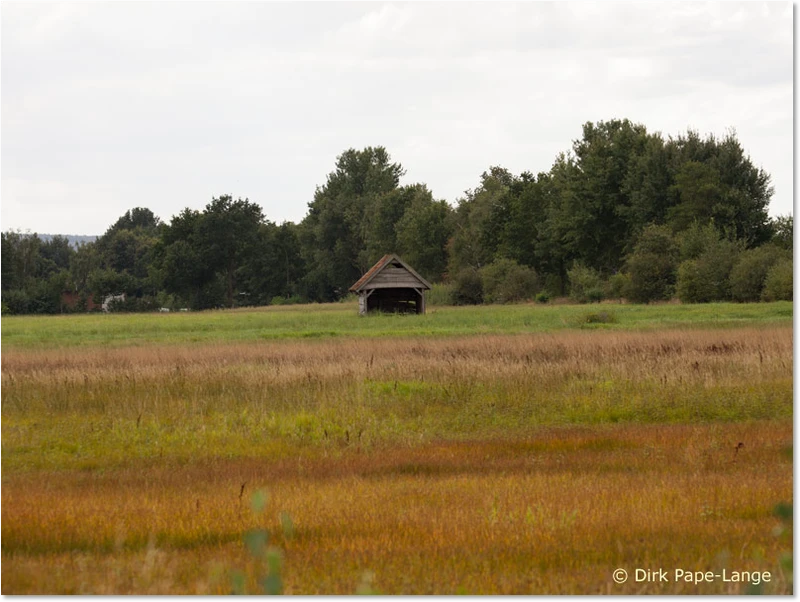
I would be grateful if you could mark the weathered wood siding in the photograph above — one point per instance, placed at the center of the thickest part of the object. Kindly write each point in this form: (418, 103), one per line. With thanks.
(392, 277)
(391, 285)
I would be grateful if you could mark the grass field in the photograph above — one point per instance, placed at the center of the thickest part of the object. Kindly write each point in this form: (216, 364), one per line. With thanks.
(515, 449)
(342, 320)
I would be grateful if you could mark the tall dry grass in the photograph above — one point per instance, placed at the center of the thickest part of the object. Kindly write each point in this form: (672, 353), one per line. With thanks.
(85, 408)
(487, 464)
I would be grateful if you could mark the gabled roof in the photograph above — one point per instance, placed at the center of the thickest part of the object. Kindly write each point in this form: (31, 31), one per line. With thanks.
(378, 268)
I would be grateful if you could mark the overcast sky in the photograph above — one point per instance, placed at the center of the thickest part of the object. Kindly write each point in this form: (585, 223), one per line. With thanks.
(108, 106)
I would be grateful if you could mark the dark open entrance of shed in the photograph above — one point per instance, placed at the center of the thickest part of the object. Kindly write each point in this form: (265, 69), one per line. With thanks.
(391, 286)
(396, 300)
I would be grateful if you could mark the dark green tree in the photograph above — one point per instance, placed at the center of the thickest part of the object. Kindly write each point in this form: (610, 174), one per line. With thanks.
(8, 276)
(423, 233)
(558, 247)
(275, 266)
(591, 218)
(58, 251)
(713, 180)
(380, 222)
(127, 248)
(699, 196)
(646, 186)
(479, 221)
(783, 232)
(83, 262)
(138, 218)
(525, 215)
(179, 265)
(227, 234)
(334, 230)
(653, 265)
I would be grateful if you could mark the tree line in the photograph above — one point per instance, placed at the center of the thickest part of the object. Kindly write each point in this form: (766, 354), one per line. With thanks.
(622, 214)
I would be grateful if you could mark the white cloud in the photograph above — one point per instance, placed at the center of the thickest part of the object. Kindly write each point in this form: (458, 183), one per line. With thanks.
(167, 104)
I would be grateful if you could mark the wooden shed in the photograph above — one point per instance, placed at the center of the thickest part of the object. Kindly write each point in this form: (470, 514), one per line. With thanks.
(391, 285)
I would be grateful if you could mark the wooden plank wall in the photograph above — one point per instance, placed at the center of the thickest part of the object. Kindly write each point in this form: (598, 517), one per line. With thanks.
(392, 277)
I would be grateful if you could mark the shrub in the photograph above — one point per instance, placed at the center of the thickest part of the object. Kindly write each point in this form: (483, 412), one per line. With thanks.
(440, 294)
(707, 278)
(349, 298)
(749, 275)
(783, 232)
(598, 317)
(505, 281)
(595, 295)
(696, 240)
(778, 285)
(133, 305)
(585, 284)
(16, 302)
(554, 284)
(467, 288)
(653, 265)
(618, 285)
(690, 287)
(543, 297)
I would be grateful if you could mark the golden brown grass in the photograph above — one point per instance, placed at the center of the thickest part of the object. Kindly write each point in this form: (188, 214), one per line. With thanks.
(554, 512)
(488, 464)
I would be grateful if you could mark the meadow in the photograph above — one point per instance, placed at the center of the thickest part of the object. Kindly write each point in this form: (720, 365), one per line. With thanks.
(519, 449)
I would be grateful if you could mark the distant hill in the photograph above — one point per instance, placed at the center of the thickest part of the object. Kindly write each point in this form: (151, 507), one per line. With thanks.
(74, 239)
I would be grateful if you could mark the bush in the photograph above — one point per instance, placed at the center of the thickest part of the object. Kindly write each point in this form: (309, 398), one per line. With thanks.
(585, 284)
(618, 286)
(348, 298)
(16, 302)
(505, 281)
(696, 240)
(707, 278)
(598, 317)
(133, 305)
(467, 288)
(749, 275)
(783, 232)
(554, 284)
(653, 265)
(171, 302)
(440, 294)
(707, 261)
(779, 283)
(543, 297)
(690, 287)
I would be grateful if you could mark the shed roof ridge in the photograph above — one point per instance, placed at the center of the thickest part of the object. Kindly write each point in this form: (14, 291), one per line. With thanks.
(379, 266)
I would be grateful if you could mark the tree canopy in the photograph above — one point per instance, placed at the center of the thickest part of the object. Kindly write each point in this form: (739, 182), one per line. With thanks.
(621, 212)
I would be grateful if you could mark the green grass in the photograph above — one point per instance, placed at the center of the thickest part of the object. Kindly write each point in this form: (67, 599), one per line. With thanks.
(341, 320)
(96, 441)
